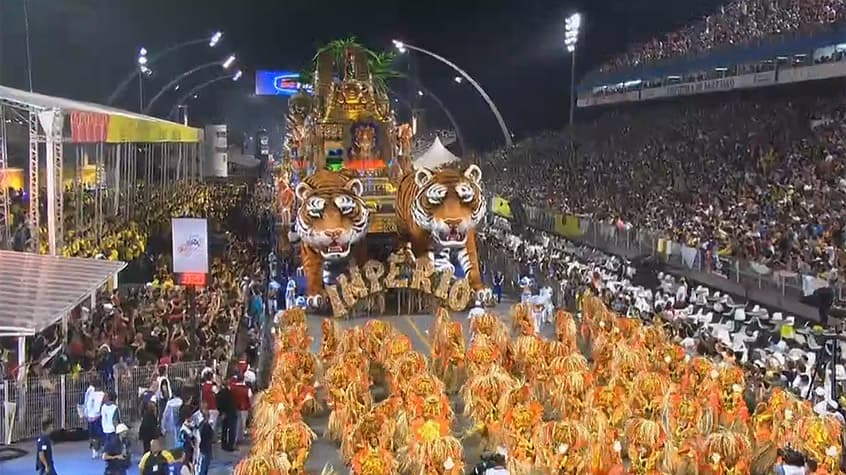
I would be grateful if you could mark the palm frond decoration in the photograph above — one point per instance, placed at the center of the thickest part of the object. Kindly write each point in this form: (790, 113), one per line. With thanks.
(382, 68)
(382, 64)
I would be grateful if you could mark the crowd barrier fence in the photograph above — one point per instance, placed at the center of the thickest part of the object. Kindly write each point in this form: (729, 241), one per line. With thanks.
(619, 239)
(26, 403)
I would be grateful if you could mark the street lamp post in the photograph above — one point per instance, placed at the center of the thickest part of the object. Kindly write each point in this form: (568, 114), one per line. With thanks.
(180, 103)
(212, 41)
(571, 38)
(403, 47)
(225, 64)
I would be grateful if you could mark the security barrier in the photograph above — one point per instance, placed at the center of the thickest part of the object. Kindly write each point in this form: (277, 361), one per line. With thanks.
(60, 397)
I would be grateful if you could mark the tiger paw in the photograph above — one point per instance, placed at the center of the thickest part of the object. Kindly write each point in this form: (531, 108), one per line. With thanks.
(484, 295)
(444, 265)
(314, 301)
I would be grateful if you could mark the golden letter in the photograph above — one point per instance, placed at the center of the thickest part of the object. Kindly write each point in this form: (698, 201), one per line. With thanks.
(394, 268)
(420, 278)
(338, 308)
(442, 292)
(459, 295)
(352, 286)
(373, 271)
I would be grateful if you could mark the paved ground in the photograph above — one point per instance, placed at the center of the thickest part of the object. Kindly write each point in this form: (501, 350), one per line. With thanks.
(73, 458)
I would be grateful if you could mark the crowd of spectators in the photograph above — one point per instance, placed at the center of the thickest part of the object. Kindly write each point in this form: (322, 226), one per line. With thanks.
(755, 175)
(736, 23)
(161, 323)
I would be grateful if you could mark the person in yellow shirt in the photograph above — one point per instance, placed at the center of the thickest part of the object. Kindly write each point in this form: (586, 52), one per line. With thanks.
(155, 461)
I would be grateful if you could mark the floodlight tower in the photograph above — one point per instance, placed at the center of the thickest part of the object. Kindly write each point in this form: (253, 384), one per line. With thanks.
(571, 38)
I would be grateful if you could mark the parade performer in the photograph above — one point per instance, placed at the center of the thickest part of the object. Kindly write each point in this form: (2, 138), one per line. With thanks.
(538, 310)
(291, 294)
(438, 211)
(548, 307)
(526, 284)
(562, 446)
(432, 450)
(330, 340)
(448, 356)
(498, 281)
(565, 330)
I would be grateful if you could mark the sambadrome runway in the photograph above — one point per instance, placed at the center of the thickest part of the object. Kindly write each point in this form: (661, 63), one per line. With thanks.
(417, 327)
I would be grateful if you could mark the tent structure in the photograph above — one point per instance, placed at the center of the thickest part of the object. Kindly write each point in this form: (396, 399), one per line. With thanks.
(435, 157)
(124, 147)
(37, 290)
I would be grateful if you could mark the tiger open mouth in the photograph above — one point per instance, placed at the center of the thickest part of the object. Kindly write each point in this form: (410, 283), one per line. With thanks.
(337, 249)
(452, 235)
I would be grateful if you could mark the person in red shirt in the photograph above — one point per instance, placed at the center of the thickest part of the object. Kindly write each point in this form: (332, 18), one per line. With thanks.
(243, 364)
(208, 393)
(242, 395)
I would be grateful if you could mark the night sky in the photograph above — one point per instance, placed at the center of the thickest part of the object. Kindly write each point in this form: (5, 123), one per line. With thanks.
(82, 48)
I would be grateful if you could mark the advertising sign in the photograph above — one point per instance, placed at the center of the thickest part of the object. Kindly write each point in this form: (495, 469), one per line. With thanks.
(755, 80)
(89, 127)
(190, 245)
(279, 83)
(812, 73)
(724, 84)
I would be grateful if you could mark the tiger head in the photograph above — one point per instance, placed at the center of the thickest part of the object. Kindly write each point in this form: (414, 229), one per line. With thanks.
(332, 215)
(448, 203)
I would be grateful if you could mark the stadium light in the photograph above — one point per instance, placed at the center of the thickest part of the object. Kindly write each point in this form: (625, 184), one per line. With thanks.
(142, 56)
(404, 47)
(212, 41)
(237, 75)
(215, 39)
(458, 79)
(226, 64)
(571, 38)
(420, 93)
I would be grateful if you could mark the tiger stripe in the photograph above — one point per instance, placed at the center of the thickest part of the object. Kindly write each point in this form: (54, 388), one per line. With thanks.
(415, 215)
(328, 186)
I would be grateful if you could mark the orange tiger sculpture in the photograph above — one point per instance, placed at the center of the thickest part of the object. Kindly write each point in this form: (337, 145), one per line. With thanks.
(437, 213)
(331, 221)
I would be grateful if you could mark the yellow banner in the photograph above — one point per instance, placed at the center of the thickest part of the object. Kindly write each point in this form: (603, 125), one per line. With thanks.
(501, 207)
(125, 129)
(567, 226)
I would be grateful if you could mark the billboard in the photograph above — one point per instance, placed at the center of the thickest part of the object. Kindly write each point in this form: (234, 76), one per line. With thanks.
(190, 246)
(278, 83)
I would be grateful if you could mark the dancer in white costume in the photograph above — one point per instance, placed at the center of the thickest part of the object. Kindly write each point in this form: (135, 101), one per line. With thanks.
(291, 294)
(548, 308)
(538, 309)
(526, 283)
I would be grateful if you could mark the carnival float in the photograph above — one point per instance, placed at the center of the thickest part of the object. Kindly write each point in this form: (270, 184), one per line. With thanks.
(353, 199)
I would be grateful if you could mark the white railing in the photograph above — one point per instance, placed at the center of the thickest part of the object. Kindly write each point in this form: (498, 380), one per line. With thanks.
(26, 403)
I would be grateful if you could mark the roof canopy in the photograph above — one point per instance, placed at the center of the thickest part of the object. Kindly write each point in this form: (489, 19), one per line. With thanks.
(435, 157)
(38, 290)
(122, 126)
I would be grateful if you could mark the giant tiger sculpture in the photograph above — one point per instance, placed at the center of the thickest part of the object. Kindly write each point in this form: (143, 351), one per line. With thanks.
(331, 221)
(437, 213)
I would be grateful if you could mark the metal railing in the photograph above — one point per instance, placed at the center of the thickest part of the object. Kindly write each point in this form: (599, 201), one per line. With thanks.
(635, 242)
(748, 274)
(59, 397)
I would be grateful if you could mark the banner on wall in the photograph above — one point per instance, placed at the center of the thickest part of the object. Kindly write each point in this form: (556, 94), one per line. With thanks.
(89, 127)
(500, 207)
(568, 226)
(190, 245)
(126, 129)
